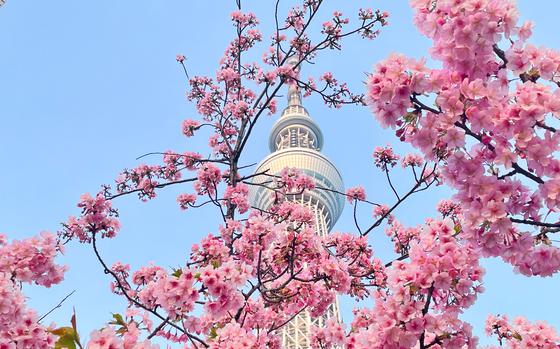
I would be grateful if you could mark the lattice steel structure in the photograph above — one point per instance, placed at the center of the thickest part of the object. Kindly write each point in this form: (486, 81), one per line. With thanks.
(296, 141)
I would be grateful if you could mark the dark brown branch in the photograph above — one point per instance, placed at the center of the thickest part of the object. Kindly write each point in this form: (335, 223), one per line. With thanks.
(535, 223)
(545, 126)
(56, 306)
(509, 174)
(356, 218)
(424, 312)
(401, 200)
(391, 184)
(157, 329)
(401, 258)
(501, 54)
(161, 185)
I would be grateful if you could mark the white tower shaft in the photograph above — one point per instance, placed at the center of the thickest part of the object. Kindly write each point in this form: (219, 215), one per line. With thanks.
(296, 142)
(296, 334)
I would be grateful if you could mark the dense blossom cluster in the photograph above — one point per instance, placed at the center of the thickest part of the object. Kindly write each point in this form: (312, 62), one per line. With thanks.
(108, 338)
(238, 196)
(522, 334)
(27, 261)
(261, 246)
(424, 296)
(363, 268)
(332, 334)
(449, 208)
(98, 217)
(189, 126)
(493, 136)
(18, 324)
(381, 211)
(208, 178)
(186, 200)
(32, 260)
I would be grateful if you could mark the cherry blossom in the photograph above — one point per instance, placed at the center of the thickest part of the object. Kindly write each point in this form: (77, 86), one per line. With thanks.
(521, 333)
(489, 128)
(356, 193)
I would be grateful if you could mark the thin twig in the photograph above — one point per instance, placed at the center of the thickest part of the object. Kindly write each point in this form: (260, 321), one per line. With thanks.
(57, 306)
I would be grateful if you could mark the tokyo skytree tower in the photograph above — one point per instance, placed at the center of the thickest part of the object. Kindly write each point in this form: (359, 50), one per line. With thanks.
(296, 142)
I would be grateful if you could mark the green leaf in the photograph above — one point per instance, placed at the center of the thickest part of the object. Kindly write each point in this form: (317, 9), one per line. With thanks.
(216, 263)
(410, 116)
(177, 273)
(65, 342)
(66, 338)
(457, 228)
(62, 331)
(213, 333)
(118, 320)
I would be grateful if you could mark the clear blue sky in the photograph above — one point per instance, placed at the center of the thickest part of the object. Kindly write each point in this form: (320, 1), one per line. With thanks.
(87, 86)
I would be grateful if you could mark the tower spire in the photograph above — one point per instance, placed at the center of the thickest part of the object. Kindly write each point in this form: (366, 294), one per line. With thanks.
(295, 128)
(294, 94)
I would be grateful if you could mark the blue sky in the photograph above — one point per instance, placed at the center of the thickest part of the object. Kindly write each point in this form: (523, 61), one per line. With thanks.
(88, 86)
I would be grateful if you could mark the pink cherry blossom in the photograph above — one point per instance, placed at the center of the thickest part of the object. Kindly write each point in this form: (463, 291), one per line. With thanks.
(384, 157)
(189, 126)
(491, 136)
(356, 193)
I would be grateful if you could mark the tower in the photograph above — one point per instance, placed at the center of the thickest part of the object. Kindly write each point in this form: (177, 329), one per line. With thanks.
(296, 142)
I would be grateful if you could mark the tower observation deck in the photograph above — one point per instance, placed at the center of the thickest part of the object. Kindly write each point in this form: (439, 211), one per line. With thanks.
(296, 142)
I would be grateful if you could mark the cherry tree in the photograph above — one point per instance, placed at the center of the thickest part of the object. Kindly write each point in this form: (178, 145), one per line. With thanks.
(484, 124)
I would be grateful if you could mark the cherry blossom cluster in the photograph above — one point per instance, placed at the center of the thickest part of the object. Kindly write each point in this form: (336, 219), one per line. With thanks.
(293, 180)
(521, 333)
(293, 269)
(424, 296)
(144, 179)
(233, 336)
(208, 178)
(32, 260)
(126, 337)
(355, 193)
(449, 208)
(401, 236)
(26, 261)
(189, 126)
(384, 157)
(329, 336)
(19, 327)
(238, 196)
(381, 211)
(363, 269)
(186, 200)
(412, 160)
(97, 217)
(464, 33)
(489, 125)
